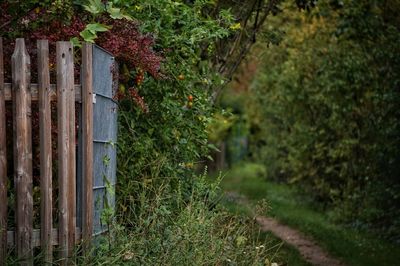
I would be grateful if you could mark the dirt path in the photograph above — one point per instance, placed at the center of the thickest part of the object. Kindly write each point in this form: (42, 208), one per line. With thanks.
(307, 247)
(310, 251)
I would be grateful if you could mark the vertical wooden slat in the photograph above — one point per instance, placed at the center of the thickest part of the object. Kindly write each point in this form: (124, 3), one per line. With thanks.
(62, 55)
(72, 150)
(22, 151)
(46, 220)
(3, 165)
(87, 142)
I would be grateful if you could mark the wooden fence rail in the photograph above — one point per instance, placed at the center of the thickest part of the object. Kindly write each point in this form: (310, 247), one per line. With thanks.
(21, 92)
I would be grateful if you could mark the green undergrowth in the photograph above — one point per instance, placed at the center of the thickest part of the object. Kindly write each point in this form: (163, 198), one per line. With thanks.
(290, 207)
(182, 229)
(280, 252)
(175, 230)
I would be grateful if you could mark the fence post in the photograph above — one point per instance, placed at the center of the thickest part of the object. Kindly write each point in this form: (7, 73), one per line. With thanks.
(22, 151)
(46, 201)
(72, 150)
(87, 143)
(65, 84)
(3, 165)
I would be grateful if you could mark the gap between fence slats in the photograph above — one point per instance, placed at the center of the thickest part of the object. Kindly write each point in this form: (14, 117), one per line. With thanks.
(22, 152)
(46, 200)
(3, 165)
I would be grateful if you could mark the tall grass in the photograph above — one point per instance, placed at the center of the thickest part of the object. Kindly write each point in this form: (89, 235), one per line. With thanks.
(172, 230)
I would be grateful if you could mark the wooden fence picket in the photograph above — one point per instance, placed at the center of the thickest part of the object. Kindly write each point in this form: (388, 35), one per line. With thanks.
(63, 58)
(46, 200)
(87, 143)
(22, 151)
(72, 147)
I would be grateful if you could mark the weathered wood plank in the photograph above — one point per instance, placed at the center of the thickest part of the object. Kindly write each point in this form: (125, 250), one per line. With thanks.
(22, 151)
(87, 142)
(72, 148)
(35, 92)
(36, 237)
(46, 202)
(3, 165)
(63, 146)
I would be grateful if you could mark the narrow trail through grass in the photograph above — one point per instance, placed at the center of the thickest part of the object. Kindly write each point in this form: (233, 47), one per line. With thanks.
(292, 209)
(308, 248)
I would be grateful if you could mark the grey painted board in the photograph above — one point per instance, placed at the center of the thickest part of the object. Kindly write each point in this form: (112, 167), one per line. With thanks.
(105, 113)
(102, 63)
(98, 196)
(104, 136)
(104, 169)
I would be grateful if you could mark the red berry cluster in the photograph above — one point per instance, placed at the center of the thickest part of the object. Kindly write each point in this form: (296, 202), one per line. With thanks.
(134, 94)
(139, 77)
(189, 103)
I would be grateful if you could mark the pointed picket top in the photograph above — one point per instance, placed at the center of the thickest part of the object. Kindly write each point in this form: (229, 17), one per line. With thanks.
(20, 64)
(20, 48)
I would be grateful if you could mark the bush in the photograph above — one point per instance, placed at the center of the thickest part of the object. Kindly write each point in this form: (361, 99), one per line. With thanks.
(331, 116)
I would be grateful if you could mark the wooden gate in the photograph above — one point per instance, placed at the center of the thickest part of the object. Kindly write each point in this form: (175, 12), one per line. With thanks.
(75, 212)
(104, 139)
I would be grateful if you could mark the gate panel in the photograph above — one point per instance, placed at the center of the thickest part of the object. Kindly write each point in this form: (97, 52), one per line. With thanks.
(104, 137)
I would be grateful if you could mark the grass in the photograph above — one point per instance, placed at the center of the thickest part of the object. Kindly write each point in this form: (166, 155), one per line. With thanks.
(183, 228)
(279, 251)
(288, 206)
(282, 253)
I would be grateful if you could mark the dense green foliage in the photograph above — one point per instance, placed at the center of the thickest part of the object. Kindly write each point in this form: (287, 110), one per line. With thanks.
(330, 116)
(167, 141)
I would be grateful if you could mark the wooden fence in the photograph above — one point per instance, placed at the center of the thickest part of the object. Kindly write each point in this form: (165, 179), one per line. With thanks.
(21, 92)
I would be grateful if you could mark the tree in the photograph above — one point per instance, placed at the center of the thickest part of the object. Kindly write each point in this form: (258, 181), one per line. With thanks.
(330, 92)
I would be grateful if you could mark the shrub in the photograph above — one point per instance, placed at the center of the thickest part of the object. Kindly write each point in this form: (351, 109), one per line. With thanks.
(330, 99)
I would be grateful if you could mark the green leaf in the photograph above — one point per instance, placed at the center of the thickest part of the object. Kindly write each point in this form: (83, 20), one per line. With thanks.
(75, 42)
(116, 13)
(97, 27)
(88, 36)
(212, 147)
(94, 7)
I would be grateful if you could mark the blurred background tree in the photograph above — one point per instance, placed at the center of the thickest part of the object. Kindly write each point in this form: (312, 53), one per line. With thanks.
(325, 108)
